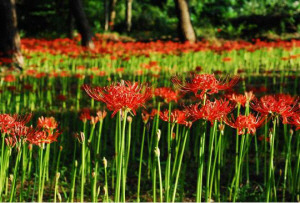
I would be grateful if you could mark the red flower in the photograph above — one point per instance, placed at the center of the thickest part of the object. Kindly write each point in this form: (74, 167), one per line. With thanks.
(166, 93)
(9, 78)
(250, 122)
(47, 123)
(176, 116)
(205, 83)
(211, 111)
(38, 137)
(276, 105)
(241, 99)
(121, 96)
(296, 121)
(85, 115)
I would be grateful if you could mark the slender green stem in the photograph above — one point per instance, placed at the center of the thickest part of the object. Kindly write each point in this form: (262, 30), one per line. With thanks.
(140, 164)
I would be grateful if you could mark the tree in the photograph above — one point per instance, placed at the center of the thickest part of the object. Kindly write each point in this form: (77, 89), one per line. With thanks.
(82, 23)
(186, 30)
(128, 14)
(10, 45)
(112, 16)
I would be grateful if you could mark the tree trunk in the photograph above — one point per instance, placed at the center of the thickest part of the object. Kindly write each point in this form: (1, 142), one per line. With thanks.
(82, 23)
(10, 45)
(186, 30)
(128, 14)
(112, 15)
(106, 17)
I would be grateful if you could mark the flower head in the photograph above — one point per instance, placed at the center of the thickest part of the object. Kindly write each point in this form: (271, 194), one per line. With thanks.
(281, 105)
(47, 123)
(242, 123)
(121, 96)
(167, 94)
(211, 111)
(176, 116)
(201, 84)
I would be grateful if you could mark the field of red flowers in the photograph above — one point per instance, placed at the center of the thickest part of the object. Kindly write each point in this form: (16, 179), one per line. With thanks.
(151, 121)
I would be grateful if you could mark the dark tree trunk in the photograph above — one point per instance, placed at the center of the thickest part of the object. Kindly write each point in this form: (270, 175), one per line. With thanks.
(186, 30)
(10, 45)
(82, 23)
(106, 13)
(128, 15)
(70, 25)
(112, 15)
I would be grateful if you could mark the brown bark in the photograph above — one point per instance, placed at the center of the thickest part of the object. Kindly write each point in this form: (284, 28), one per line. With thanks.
(106, 17)
(128, 15)
(10, 44)
(82, 23)
(186, 30)
(112, 15)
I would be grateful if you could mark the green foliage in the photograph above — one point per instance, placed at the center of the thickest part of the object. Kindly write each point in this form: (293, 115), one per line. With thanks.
(150, 18)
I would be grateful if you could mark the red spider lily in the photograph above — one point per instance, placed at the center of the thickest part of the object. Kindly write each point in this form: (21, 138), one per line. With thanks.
(242, 123)
(296, 121)
(241, 99)
(121, 96)
(101, 115)
(94, 120)
(211, 111)
(145, 117)
(167, 94)
(205, 83)
(9, 78)
(47, 123)
(176, 116)
(276, 105)
(85, 115)
(8, 121)
(38, 137)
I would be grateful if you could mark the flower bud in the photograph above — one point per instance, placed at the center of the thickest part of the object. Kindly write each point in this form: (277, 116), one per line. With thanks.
(158, 134)
(291, 132)
(129, 119)
(157, 151)
(104, 162)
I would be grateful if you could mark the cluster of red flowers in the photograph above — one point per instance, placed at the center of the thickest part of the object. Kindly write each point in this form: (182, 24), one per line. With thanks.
(127, 95)
(124, 96)
(122, 50)
(14, 128)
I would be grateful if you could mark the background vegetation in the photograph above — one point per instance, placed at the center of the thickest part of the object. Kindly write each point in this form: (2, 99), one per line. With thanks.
(228, 19)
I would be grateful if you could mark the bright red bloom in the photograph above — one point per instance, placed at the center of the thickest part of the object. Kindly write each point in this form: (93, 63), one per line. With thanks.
(166, 93)
(47, 123)
(38, 137)
(241, 99)
(276, 105)
(211, 111)
(176, 116)
(242, 123)
(296, 121)
(7, 121)
(9, 78)
(121, 96)
(205, 83)
(85, 115)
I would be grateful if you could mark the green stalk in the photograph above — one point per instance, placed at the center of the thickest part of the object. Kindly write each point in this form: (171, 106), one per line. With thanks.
(210, 147)
(140, 164)
(120, 161)
(15, 176)
(288, 156)
(271, 164)
(201, 164)
(71, 199)
(179, 165)
(56, 185)
(106, 184)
